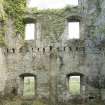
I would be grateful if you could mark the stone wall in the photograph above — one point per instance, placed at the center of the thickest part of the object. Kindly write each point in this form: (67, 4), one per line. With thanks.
(52, 63)
(3, 71)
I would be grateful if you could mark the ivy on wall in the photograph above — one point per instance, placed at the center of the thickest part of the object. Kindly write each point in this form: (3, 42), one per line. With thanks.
(16, 9)
(2, 16)
(52, 23)
(1, 10)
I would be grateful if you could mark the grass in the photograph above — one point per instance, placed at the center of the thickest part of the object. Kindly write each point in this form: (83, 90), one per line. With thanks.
(19, 101)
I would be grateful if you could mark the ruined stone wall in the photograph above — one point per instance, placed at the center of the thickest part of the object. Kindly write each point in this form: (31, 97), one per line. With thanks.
(51, 63)
(3, 71)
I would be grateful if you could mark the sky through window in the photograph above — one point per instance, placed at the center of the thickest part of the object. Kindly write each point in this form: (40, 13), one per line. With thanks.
(44, 4)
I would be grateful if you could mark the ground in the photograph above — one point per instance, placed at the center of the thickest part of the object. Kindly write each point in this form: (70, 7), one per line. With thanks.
(18, 101)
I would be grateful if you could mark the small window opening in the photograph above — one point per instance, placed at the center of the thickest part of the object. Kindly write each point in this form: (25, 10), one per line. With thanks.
(77, 48)
(58, 49)
(43, 50)
(7, 50)
(29, 86)
(74, 85)
(73, 30)
(13, 50)
(29, 31)
(51, 48)
(64, 48)
(32, 49)
(38, 49)
(70, 48)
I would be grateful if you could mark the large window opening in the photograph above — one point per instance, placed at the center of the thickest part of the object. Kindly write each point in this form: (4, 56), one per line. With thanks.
(74, 85)
(73, 30)
(29, 86)
(45, 4)
(29, 31)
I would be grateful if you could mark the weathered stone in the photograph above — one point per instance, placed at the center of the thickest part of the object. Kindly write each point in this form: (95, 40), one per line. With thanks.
(51, 63)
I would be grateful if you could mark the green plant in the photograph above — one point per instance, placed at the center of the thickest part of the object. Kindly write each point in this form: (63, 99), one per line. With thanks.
(15, 9)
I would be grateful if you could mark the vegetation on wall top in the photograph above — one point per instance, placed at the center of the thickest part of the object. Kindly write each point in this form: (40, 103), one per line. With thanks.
(52, 21)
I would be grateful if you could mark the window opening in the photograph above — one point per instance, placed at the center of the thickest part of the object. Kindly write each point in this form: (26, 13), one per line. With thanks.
(29, 31)
(74, 85)
(29, 86)
(73, 30)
